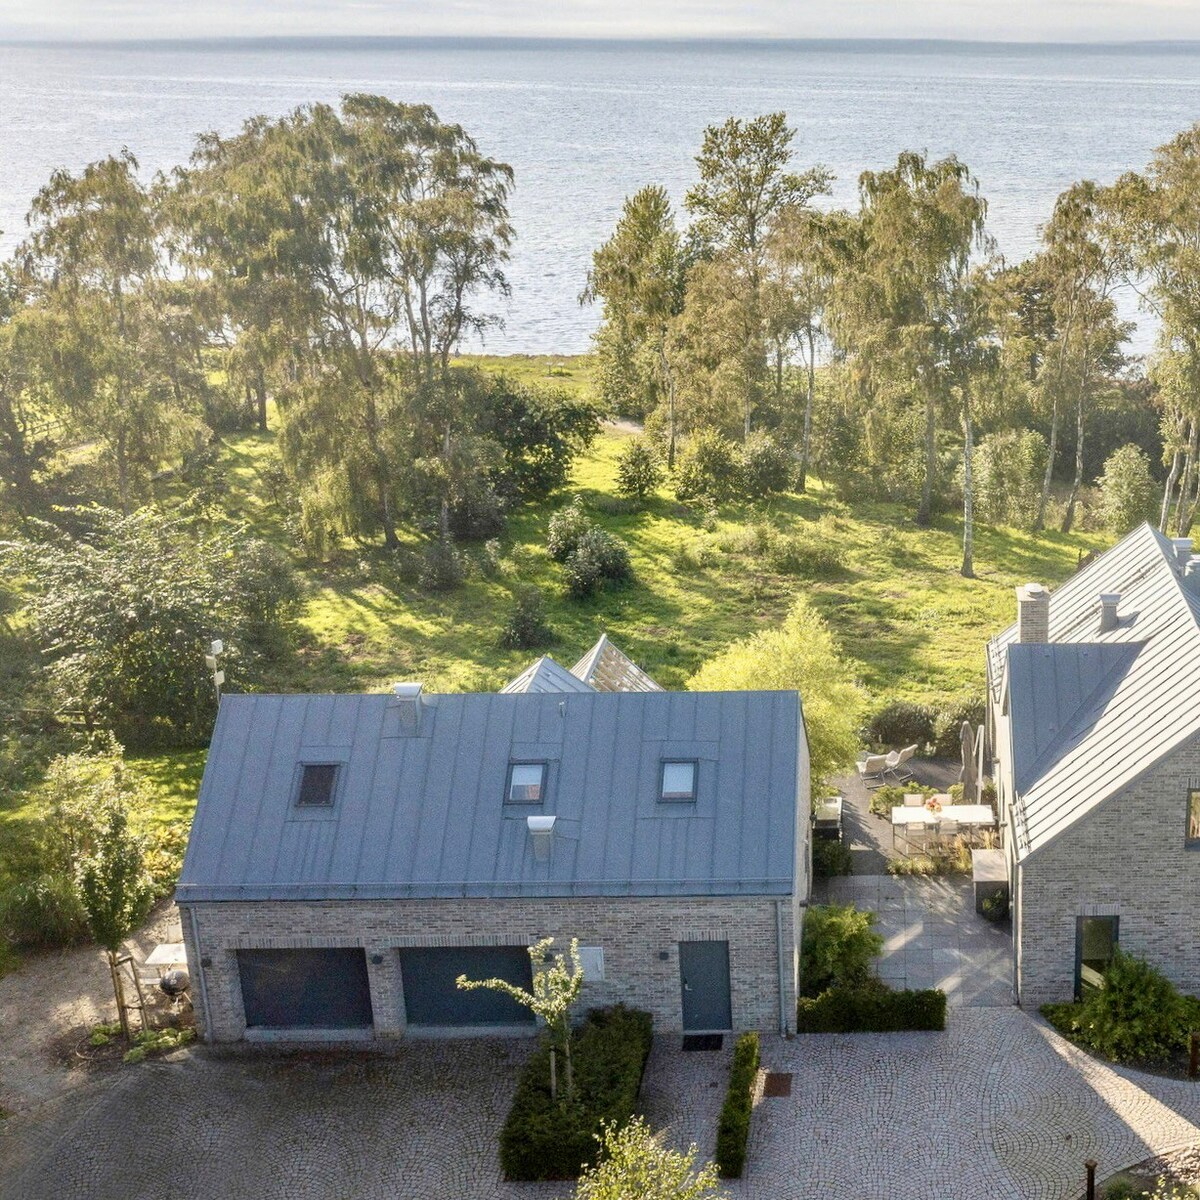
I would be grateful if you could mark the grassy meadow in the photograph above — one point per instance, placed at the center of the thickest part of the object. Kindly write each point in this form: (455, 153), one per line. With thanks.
(909, 624)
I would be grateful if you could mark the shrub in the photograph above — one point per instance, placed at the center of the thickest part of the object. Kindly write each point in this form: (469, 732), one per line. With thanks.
(165, 846)
(871, 1007)
(1128, 494)
(1008, 472)
(831, 856)
(708, 468)
(156, 1041)
(545, 1140)
(765, 469)
(634, 1164)
(442, 567)
(43, 913)
(567, 527)
(526, 625)
(901, 723)
(1137, 1016)
(947, 726)
(598, 560)
(837, 947)
(995, 907)
(639, 469)
(952, 859)
(810, 555)
(891, 795)
(733, 1125)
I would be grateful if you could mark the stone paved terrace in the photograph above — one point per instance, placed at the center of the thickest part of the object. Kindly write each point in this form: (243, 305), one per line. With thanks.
(932, 935)
(998, 1106)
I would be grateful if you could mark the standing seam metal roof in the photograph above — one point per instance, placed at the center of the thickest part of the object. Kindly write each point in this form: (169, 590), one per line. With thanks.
(422, 814)
(1092, 711)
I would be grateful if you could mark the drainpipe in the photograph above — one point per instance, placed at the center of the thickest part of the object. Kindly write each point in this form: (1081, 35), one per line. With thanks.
(783, 1023)
(200, 974)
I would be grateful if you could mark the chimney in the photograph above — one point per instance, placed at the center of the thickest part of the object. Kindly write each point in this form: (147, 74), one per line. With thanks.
(1033, 613)
(1108, 611)
(408, 702)
(541, 830)
(1183, 551)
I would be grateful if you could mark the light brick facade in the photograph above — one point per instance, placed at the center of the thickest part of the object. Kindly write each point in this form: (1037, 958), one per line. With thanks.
(639, 937)
(1126, 858)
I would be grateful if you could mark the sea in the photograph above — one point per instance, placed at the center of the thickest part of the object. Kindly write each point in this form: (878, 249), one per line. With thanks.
(586, 123)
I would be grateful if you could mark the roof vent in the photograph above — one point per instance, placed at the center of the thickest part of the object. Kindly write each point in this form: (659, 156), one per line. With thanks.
(1108, 611)
(541, 830)
(1033, 613)
(408, 702)
(1183, 550)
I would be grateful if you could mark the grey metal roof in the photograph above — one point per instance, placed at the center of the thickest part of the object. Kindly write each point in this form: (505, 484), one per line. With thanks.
(1093, 711)
(419, 811)
(545, 675)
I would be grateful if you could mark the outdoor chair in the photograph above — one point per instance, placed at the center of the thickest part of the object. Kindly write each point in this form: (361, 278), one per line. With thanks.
(871, 770)
(914, 800)
(948, 830)
(896, 764)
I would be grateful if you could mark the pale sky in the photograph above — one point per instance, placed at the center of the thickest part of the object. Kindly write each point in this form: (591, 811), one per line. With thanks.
(991, 20)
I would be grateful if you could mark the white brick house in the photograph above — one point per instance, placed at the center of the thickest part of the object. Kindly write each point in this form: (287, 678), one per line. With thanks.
(1094, 718)
(352, 855)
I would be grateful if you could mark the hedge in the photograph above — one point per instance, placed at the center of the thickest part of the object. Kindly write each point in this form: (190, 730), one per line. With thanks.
(542, 1139)
(733, 1127)
(873, 1008)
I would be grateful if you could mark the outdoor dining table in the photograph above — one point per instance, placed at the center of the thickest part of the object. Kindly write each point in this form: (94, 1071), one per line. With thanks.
(979, 816)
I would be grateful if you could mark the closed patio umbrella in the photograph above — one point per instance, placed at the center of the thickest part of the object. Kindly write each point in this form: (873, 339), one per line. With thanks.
(970, 774)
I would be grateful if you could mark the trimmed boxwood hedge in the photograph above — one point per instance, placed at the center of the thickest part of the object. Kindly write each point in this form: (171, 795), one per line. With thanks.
(733, 1127)
(554, 1140)
(872, 1008)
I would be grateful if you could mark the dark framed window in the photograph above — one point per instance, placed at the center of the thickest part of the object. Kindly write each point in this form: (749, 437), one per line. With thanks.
(1193, 818)
(526, 783)
(677, 782)
(317, 783)
(1095, 945)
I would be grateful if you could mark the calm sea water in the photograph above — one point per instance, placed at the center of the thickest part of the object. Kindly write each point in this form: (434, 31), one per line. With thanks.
(586, 124)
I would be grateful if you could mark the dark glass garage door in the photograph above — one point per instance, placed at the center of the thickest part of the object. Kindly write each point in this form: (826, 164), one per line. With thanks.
(305, 989)
(431, 996)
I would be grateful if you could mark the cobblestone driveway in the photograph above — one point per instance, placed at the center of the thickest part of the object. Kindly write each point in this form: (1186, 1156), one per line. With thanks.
(997, 1106)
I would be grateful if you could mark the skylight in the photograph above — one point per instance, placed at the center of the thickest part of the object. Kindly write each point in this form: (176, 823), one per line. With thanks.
(526, 783)
(678, 781)
(316, 785)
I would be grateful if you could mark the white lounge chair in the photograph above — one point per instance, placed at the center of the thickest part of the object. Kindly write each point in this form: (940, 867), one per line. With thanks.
(871, 770)
(896, 764)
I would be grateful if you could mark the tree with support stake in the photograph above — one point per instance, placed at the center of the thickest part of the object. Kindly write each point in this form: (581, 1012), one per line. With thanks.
(115, 890)
(555, 989)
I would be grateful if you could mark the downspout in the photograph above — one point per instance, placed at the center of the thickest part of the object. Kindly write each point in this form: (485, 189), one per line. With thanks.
(200, 974)
(783, 1024)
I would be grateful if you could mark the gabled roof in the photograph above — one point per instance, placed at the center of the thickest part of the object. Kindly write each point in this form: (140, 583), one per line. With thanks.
(545, 675)
(419, 804)
(607, 669)
(1092, 711)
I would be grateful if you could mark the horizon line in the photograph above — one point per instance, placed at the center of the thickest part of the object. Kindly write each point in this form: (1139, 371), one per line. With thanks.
(364, 40)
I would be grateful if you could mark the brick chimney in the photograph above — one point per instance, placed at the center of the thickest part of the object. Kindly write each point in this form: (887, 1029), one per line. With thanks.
(1033, 613)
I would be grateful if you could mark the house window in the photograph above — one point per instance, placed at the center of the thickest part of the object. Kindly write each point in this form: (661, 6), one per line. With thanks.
(316, 785)
(526, 783)
(1095, 945)
(678, 781)
(1193, 818)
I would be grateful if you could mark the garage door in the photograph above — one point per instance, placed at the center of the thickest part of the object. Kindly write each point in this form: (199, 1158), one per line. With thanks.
(431, 996)
(305, 989)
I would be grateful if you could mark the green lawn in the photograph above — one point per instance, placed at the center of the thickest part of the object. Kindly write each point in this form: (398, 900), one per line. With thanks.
(909, 623)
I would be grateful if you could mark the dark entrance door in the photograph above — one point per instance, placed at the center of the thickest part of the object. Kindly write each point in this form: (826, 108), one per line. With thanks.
(432, 997)
(305, 989)
(704, 979)
(1095, 945)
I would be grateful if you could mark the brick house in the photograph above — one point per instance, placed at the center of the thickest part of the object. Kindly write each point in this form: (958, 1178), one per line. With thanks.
(1094, 720)
(352, 855)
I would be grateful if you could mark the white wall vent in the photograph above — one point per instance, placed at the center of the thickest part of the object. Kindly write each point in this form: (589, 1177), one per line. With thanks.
(591, 961)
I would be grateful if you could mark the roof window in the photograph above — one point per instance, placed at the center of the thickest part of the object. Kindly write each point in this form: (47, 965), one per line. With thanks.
(526, 783)
(317, 782)
(678, 781)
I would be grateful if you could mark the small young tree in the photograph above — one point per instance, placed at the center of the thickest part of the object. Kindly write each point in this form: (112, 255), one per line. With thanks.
(639, 469)
(598, 561)
(1128, 493)
(555, 989)
(837, 949)
(709, 468)
(526, 625)
(567, 527)
(635, 1165)
(115, 889)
